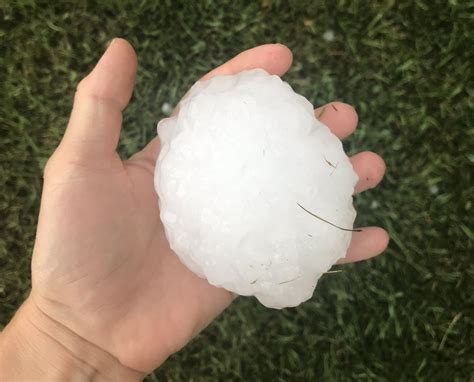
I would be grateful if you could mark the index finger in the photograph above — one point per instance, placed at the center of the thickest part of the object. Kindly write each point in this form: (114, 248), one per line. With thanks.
(274, 58)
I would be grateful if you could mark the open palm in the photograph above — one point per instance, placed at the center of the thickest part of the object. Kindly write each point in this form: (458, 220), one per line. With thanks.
(102, 266)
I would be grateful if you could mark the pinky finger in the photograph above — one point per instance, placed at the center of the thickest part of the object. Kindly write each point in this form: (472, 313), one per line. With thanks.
(370, 242)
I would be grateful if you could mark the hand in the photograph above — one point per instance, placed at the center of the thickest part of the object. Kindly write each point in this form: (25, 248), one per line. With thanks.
(102, 268)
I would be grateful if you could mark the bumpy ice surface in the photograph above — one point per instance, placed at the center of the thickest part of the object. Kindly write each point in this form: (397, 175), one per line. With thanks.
(235, 162)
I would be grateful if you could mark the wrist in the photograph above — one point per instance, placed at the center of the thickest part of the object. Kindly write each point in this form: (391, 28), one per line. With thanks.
(34, 346)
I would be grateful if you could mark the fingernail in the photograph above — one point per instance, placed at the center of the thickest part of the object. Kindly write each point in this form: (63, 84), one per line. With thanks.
(110, 43)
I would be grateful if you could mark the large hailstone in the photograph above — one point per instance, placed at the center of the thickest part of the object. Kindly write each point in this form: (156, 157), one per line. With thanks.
(242, 167)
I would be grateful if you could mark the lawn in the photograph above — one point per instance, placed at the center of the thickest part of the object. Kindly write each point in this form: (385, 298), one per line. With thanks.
(406, 66)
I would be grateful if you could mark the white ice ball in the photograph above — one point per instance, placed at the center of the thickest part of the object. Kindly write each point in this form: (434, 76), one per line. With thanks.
(238, 163)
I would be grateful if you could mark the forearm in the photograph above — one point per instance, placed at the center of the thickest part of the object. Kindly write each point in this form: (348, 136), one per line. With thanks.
(33, 346)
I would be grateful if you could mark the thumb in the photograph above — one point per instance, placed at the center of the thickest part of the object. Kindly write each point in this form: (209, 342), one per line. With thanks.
(96, 119)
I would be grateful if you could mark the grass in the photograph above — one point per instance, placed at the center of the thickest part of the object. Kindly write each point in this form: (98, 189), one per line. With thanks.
(407, 68)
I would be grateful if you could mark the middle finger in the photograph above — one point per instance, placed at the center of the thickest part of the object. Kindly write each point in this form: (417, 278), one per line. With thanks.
(342, 119)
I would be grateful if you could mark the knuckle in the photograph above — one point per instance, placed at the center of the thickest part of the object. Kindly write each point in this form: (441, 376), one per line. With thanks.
(51, 166)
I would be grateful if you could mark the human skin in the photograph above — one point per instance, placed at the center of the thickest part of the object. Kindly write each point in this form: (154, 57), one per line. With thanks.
(109, 298)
